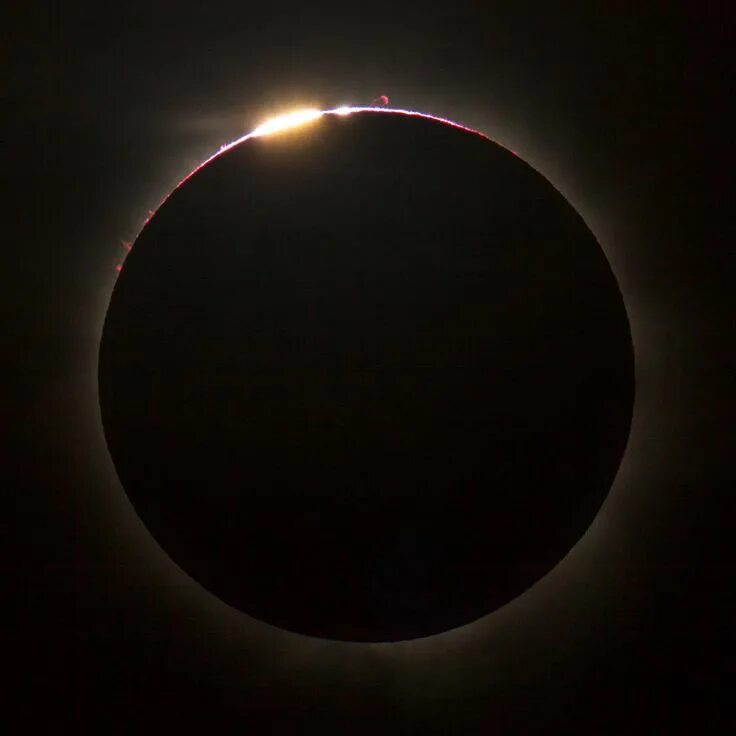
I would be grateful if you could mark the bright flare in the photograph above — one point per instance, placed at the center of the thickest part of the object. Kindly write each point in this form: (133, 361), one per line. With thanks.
(284, 122)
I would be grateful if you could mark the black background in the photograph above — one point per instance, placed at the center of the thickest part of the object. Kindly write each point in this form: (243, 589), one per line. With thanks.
(620, 107)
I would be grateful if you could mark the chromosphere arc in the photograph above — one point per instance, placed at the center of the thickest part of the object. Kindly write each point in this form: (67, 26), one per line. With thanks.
(366, 375)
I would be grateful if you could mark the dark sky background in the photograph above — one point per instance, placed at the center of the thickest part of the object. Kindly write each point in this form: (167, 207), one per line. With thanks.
(619, 106)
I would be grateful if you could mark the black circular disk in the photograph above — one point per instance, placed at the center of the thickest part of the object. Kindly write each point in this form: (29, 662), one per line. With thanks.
(368, 379)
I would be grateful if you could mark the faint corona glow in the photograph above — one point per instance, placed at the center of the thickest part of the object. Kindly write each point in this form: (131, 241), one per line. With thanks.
(301, 117)
(285, 122)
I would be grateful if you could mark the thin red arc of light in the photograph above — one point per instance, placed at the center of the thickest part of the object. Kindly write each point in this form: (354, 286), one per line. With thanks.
(338, 111)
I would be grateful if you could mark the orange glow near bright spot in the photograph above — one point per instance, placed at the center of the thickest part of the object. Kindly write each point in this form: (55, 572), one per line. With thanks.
(285, 122)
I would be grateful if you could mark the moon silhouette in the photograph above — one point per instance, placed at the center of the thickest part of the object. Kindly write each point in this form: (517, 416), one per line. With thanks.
(368, 379)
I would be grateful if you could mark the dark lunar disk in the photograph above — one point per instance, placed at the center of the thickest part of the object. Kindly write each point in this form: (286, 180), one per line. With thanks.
(369, 379)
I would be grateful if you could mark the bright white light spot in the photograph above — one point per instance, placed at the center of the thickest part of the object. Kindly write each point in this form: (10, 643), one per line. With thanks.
(284, 122)
(344, 110)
